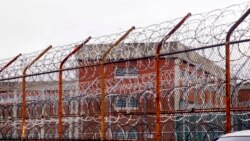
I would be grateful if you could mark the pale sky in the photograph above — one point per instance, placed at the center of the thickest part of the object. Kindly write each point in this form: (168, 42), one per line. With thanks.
(31, 25)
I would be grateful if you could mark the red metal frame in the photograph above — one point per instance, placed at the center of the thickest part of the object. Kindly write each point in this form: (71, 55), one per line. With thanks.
(158, 81)
(103, 81)
(23, 128)
(60, 89)
(10, 62)
(228, 75)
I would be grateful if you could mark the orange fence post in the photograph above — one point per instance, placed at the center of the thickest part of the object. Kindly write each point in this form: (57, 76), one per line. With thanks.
(10, 62)
(158, 81)
(60, 89)
(103, 81)
(228, 76)
(24, 90)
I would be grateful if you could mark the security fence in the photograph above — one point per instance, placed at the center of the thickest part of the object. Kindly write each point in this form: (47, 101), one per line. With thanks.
(184, 79)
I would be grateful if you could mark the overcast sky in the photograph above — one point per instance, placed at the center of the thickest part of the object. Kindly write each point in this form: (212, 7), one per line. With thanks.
(31, 25)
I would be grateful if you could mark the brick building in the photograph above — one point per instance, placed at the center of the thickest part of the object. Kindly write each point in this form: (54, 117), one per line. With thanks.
(130, 87)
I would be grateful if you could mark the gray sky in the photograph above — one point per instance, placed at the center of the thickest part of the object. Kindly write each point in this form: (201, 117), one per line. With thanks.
(31, 25)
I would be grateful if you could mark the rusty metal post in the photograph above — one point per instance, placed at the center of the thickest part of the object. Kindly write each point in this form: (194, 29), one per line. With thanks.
(10, 62)
(103, 81)
(24, 90)
(158, 81)
(228, 76)
(60, 87)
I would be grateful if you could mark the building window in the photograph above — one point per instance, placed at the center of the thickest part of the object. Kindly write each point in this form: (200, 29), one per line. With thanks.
(128, 135)
(133, 135)
(121, 102)
(119, 135)
(130, 72)
(126, 103)
(132, 102)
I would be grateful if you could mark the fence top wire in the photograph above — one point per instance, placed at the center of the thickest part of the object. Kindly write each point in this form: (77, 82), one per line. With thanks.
(199, 30)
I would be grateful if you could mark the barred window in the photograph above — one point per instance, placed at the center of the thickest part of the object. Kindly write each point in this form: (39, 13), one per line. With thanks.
(133, 134)
(129, 72)
(121, 102)
(125, 102)
(122, 135)
(119, 135)
(132, 102)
